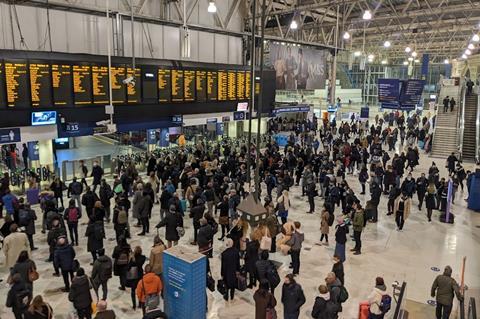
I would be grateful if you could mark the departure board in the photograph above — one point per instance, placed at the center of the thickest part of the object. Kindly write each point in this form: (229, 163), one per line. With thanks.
(40, 85)
(62, 84)
(100, 84)
(3, 101)
(177, 85)
(241, 85)
(257, 88)
(222, 85)
(232, 85)
(201, 86)
(82, 84)
(212, 85)
(133, 91)
(17, 84)
(189, 85)
(116, 81)
(164, 86)
(149, 84)
(248, 84)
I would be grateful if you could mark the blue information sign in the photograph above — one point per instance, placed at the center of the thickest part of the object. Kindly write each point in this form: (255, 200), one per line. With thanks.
(364, 112)
(33, 153)
(151, 137)
(164, 138)
(177, 119)
(238, 116)
(411, 94)
(220, 129)
(388, 93)
(9, 135)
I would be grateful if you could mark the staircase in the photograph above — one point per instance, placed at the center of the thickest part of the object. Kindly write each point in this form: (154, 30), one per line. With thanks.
(469, 135)
(446, 128)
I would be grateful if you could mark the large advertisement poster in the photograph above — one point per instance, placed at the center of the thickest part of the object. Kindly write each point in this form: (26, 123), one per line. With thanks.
(298, 68)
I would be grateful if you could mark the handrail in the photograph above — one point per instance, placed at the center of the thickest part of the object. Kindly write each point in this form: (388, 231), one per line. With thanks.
(472, 309)
(400, 308)
(477, 128)
(461, 121)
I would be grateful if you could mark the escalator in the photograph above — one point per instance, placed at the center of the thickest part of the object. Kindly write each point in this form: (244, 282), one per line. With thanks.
(469, 142)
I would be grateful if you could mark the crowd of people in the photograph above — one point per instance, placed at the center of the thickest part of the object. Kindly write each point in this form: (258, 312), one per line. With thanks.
(206, 185)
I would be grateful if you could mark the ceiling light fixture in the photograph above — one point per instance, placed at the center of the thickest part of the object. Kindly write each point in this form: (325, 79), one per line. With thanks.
(346, 35)
(476, 38)
(367, 15)
(407, 49)
(357, 53)
(464, 56)
(468, 52)
(293, 25)
(446, 61)
(414, 54)
(384, 62)
(471, 46)
(212, 8)
(387, 44)
(405, 62)
(410, 59)
(371, 57)
(416, 61)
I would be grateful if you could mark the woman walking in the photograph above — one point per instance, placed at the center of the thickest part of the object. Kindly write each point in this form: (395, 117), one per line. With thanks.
(283, 205)
(135, 272)
(430, 200)
(24, 266)
(402, 210)
(264, 300)
(324, 227)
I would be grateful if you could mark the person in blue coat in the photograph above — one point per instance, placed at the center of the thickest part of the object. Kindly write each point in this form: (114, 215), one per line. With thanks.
(9, 201)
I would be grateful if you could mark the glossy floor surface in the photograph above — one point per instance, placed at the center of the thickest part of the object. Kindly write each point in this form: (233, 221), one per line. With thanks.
(397, 256)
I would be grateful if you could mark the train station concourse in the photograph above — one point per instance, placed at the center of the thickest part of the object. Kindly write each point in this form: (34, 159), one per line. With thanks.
(239, 159)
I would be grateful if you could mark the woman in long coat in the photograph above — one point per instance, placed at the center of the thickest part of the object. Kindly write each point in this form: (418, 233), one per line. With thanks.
(430, 200)
(229, 268)
(324, 227)
(172, 220)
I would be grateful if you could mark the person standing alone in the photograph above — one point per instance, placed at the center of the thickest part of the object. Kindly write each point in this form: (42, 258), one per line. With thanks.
(444, 287)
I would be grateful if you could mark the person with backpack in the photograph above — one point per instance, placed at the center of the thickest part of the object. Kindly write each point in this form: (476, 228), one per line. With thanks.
(95, 234)
(295, 244)
(97, 173)
(266, 270)
(80, 295)
(156, 256)
(135, 273)
(120, 220)
(173, 222)
(121, 257)
(379, 300)
(338, 292)
(74, 191)
(27, 218)
(24, 266)
(324, 307)
(18, 297)
(444, 288)
(149, 289)
(293, 298)
(265, 301)
(63, 259)
(105, 193)
(72, 215)
(101, 273)
(205, 237)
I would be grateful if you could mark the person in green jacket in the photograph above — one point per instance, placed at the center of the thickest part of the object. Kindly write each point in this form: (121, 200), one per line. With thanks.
(444, 287)
(358, 221)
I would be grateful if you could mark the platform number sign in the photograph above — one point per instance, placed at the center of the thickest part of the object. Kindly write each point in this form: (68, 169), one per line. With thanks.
(72, 127)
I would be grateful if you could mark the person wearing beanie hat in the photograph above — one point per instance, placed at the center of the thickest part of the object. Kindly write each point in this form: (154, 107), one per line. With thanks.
(443, 288)
(80, 294)
(103, 312)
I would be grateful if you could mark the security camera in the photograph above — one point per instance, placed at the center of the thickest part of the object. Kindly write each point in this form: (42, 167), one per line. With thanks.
(103, 123)
(129, 81)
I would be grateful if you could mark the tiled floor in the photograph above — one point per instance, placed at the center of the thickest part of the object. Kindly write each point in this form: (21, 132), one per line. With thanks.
(401, 256)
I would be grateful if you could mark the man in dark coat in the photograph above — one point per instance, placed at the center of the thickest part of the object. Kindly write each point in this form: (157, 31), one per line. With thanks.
(95, 233)
(97, 173)
(421, 186)
(63, 259)
(451, 160)
(172, 220)
(144, 206)
(88, 200)
(205, 237)
(196, 213)
(80, 295)
(292, 298)
(230, 265)
(105, 195)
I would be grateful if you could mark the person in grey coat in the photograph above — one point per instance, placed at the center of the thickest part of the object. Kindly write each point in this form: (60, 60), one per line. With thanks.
(444, 287)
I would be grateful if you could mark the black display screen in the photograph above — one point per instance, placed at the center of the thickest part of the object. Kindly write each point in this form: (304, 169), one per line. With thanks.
(164, 86)
(119, 89)
(201, 86)
(189, 85)
(134, 87)
(82, 84)
(177, 86)
(212, 85)
(149, 85)
(40, 84)
(62, 84)
(16, 79)
(100, 84)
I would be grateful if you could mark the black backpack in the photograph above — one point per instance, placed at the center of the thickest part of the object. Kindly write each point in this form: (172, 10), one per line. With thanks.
(272, 275)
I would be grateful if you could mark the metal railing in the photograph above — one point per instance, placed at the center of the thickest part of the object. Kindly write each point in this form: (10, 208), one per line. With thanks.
(472, 309)
(477, 135)
(400, 311)
(461, 121)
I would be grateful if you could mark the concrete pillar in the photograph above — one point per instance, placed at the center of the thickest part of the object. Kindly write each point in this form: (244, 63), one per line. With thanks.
(232, 129)
(45, 151)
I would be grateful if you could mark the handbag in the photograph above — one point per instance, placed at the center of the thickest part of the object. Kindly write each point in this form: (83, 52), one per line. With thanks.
(241, 282)
(132, 273)
(93, 296)
(265, 243)
(221, 287)
(181, 231)
(151, 301)
(75, 265)
(210, 283)
(33, 275)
